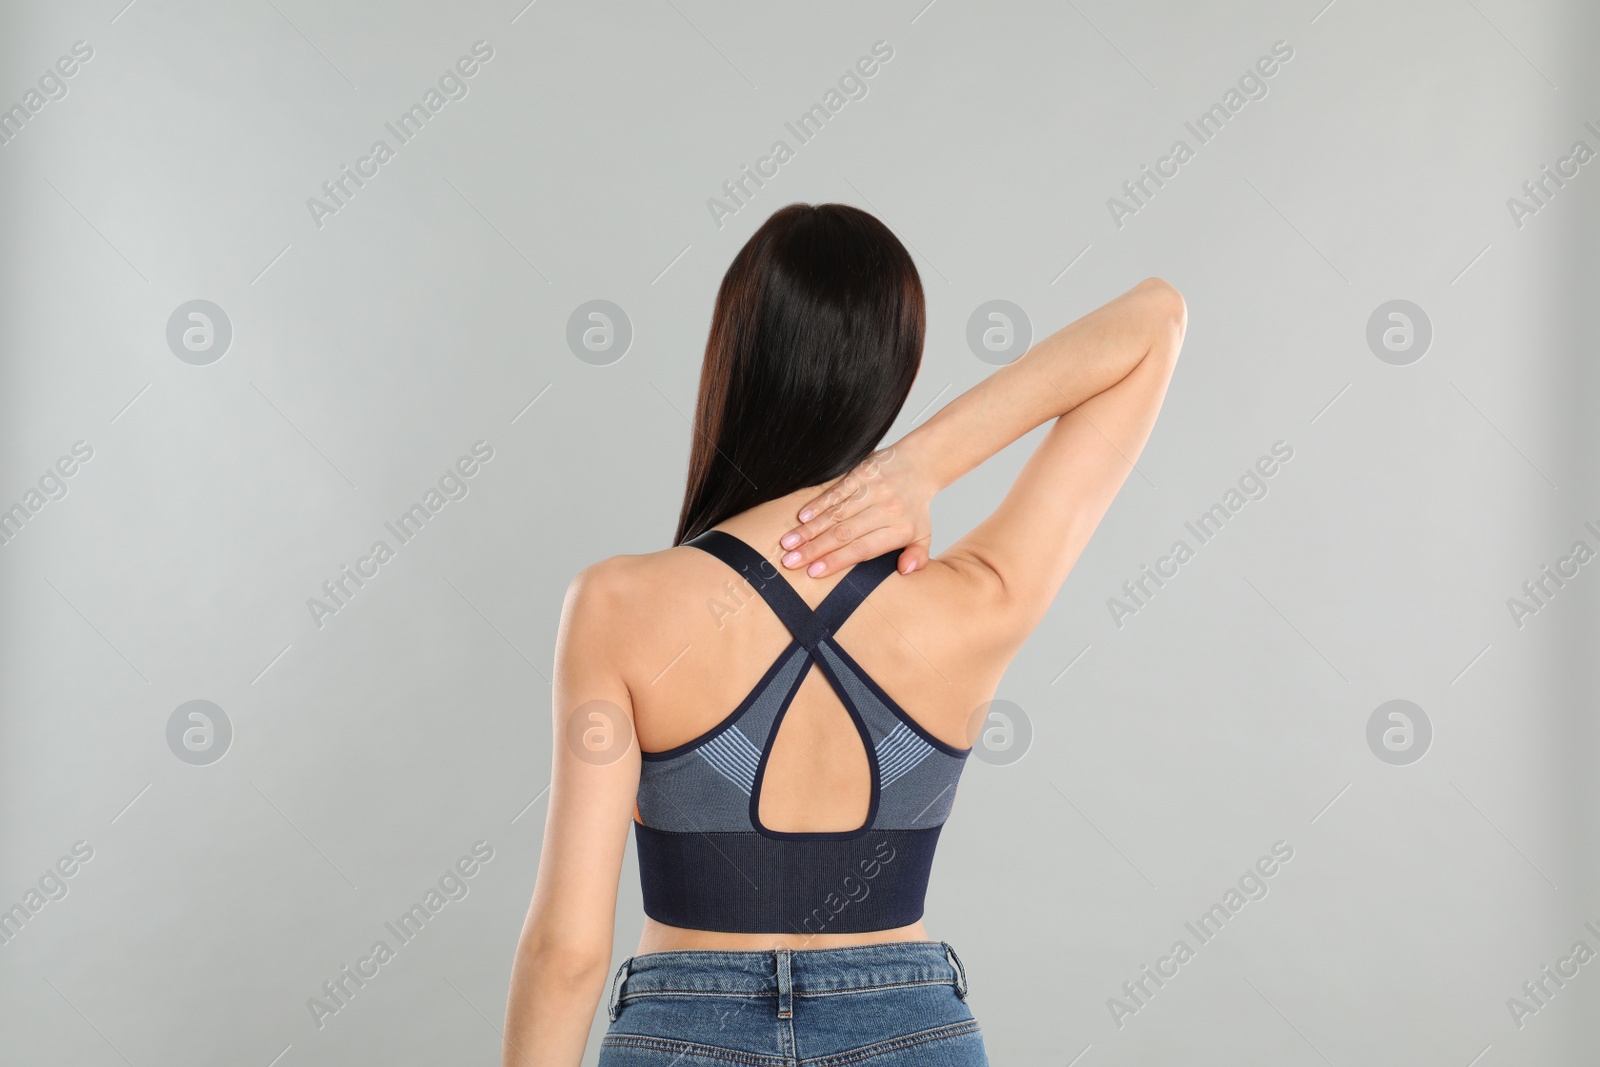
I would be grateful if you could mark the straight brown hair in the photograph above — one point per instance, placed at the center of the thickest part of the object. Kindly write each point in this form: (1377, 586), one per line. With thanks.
(815, 340)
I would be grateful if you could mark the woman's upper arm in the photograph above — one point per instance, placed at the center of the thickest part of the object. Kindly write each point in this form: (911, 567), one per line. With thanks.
(594, 780)
(1026, 548)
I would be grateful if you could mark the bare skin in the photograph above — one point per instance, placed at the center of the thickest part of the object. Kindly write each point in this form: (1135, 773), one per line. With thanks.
(671, 641)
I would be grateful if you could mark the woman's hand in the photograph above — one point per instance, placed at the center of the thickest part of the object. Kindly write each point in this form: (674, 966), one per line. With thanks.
(880, 505)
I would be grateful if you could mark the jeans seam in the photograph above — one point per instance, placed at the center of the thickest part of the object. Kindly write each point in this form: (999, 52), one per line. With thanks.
(774, 992)
(767, 951)
(873, 988)
(694, 993)
(658, 1044)
(922, 1037)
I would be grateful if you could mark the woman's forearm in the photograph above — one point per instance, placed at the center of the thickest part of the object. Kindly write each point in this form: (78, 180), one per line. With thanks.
(1081, 359)
(550, 1010)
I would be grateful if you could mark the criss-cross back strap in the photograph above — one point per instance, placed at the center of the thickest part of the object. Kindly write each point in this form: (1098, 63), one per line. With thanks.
(852, 590)
(809, 627)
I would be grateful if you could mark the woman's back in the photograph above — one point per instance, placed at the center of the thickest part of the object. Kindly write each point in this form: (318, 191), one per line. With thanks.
(698, 639)
(744, 738)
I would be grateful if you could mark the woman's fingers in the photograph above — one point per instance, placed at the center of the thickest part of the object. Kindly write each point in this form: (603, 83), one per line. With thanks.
(836, 495)
(866, 546)
(844, 499)
(835, 535)
(915, 557)
(864, 514)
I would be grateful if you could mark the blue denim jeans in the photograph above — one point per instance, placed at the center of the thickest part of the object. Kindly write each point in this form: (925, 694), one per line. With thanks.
(887, 1005)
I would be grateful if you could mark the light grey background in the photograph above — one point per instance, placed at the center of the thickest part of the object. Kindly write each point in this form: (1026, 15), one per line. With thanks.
(429, 313)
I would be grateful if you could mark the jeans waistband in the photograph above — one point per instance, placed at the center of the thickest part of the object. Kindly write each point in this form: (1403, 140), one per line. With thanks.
(786, 973)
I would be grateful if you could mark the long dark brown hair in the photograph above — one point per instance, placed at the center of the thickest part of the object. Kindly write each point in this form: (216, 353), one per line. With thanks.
(815, 340)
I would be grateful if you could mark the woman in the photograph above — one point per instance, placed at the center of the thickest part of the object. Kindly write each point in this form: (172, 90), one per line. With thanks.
(785, 749)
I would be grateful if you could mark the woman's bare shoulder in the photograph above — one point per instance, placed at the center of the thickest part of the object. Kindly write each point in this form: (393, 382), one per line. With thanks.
(956, 594)
(628, 576)
(636, 601)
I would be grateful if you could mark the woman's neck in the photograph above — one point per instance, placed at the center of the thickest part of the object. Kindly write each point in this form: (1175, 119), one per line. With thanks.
(761, 526)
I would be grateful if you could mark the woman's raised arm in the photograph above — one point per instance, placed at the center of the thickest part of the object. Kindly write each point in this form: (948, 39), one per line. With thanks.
(1101, 377)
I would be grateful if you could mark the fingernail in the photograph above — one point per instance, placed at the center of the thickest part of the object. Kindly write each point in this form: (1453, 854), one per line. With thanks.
(790, 540)
(806, 515)
(790, 559)
(816, 569)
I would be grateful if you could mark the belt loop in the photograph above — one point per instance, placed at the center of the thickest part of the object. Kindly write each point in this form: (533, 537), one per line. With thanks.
(616, 989)
(785, 986)
(961, 972)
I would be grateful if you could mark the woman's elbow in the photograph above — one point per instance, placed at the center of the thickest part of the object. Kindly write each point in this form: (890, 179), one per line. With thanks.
(1167, 298)
(567, 965)
(1168, 307)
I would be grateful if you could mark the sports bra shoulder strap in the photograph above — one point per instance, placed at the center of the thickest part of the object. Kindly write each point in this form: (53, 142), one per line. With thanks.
(842, 601)
(807, 626)
(760, 572)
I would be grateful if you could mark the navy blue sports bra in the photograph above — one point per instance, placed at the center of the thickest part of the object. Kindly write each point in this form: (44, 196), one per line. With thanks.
(705, 860)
